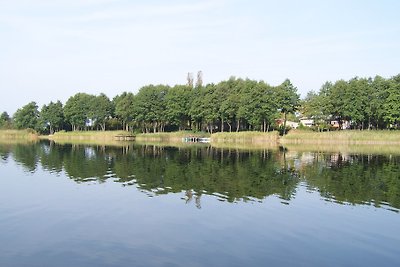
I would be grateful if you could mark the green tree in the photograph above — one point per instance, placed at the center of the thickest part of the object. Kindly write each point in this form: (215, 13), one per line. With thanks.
(356, 107)
(230, 104)
(392, 103)
(52, 116)
(5, 120)
(264, 106)
(177, 103)
(76, 110)
(150, 108)
(212, 99)
(288, 100)
(376, 99)
(27, 116)
(197, 110)
(124, 108)
(337, 102)
(100, 110)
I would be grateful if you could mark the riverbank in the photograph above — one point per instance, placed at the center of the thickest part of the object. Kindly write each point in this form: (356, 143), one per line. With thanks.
(17, 135)
(347, 137)
(86, 135)
(294, 137)
(172, 137)
(245, 137)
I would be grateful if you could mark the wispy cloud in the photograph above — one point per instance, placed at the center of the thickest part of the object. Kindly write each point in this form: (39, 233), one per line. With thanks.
(146, 10)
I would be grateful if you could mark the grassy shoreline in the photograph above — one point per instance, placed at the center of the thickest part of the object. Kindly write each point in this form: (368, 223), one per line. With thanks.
(348, 137)
(168, 137)
(295, 139)
(245, 137)
(85, 135)
(17, 135)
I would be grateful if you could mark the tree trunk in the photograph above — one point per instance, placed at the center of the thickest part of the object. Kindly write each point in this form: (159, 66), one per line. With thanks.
(369, 122)
(230, 127)
(222, 125)
(238, 125)
(265, 125)
(284, 124)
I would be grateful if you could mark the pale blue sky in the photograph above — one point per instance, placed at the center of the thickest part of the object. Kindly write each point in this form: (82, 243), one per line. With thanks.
(52, 49)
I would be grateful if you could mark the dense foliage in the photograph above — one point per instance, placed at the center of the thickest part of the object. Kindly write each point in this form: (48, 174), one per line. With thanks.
(231, 105)
(364, 103)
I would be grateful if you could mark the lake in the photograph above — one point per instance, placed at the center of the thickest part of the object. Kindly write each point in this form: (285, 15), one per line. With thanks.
(145, 205)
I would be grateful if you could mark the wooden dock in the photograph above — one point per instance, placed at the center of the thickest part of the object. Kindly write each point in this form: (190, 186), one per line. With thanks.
(195, 139)
(124, 137)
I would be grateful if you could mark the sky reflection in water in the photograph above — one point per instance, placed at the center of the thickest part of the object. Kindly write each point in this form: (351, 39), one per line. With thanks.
(75, 205)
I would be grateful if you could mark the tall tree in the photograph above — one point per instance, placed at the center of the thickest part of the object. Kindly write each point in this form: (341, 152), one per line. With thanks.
(355, 101)
(27, 116)
(337, 103)
(76, 110)
(199, 81)
(189, 79)
(289, 100)
(150, 107)
(392, 103)
(124, 107)
(52, 116)
(230, 102)
(377, 98)
(211, 101)
(177, 103)
(100, 110)
(197, 109)
(5, 120)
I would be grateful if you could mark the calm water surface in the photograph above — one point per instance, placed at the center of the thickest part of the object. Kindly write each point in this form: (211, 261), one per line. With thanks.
(77, 205)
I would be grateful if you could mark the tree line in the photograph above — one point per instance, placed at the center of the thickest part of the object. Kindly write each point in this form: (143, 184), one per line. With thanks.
(231, 105)
(365, 103)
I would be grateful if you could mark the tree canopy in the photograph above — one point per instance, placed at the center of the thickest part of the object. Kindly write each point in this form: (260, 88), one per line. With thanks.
(232, 105)
(27, 116)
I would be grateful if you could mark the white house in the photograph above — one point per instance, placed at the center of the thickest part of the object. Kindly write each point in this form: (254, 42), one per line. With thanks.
(307, 122)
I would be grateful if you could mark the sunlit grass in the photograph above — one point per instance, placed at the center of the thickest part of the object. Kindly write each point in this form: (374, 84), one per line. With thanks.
(343, 137)
(245, 137)
(18, 135)
(87, 135)
(169, 136)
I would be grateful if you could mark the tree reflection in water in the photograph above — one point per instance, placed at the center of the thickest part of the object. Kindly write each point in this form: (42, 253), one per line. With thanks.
(229, 174)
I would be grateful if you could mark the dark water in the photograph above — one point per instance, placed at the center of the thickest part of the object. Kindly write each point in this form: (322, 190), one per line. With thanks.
(76, 205)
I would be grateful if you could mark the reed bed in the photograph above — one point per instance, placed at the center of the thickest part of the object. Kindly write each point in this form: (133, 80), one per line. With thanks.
(86, 135)
(353, 137)
(259, 138)
(168, 137)
(18, 135)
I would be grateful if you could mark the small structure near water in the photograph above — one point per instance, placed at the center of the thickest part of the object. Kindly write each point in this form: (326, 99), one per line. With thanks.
(125, 137)
(195, 139)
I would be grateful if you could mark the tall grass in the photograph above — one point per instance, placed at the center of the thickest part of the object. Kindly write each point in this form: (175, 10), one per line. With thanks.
(168, 137)
(87, 135)
(378, 137)
(23, 135)
(245, 137)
